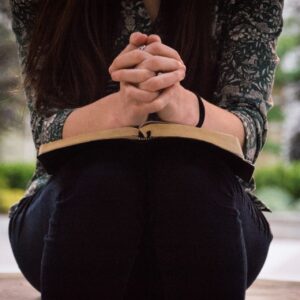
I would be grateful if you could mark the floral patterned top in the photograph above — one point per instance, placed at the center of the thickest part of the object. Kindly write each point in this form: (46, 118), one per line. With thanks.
(246, 33)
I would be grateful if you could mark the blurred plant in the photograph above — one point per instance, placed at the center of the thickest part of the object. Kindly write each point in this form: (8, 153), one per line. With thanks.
(272, 147)
(11, 99)
(15, 175)
(276, 198)
(288, 48)
(285, 176)
(4, 9)
(276, 114)
(8, 197)
(291, 125)
(288, 78)
(14, 178)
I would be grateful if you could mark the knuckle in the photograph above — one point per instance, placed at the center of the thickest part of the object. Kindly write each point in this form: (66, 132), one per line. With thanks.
(129, 92)
(182, 66)
(146, 97)
(182, 75)
(118, 74)
(178, 74)
(153, 62)
(140, 65)
(153, 86)
(147, 74)
(150, 96)
(116, 61)
(179, 65)
(149, 61)
(139, 55)
(150, 85)
(114, 76)
(112, 66)
(156, 46)
(176, 53)
(142, 85)
(158, 105)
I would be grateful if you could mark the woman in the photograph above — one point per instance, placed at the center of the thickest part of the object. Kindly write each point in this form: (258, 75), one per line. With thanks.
(158, 220)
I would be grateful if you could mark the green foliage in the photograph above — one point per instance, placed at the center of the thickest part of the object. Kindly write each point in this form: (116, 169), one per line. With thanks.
(272, 147)
(285, 176)
(288, 42)
(276, 198)
(3, 183)
(276, 114)
(15, 175)
(8, 197)
(282, 78)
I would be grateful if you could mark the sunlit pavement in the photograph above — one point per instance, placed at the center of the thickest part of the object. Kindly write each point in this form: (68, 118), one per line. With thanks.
(7, 261)
(283, 261)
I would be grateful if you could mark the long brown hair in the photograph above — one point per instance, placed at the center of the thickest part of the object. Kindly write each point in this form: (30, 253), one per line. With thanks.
(71, 43)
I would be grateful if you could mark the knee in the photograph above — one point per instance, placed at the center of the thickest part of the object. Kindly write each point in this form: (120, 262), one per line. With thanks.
(104, 180)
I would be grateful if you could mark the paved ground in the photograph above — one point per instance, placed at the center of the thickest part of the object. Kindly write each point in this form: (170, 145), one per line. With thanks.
(15, 287)
(283, 261)
(7, 261)
(273, 290)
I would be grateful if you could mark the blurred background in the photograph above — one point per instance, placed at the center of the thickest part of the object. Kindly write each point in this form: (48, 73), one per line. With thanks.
(277, 172)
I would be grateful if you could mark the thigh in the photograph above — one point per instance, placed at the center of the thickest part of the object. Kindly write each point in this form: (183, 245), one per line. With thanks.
(97, 225)
(257, 234)
(195, 224)
(93, 191)
(27, 227)
(201, 216)
(101, 184)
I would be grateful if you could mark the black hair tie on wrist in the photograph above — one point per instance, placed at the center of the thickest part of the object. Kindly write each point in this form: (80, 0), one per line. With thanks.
(201, 111)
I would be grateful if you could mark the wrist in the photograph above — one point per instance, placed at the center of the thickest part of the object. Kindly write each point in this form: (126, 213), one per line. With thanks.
(201, 108)
(117, 117)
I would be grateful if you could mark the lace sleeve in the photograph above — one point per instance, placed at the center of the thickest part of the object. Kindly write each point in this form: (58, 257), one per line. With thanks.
(247, 65)
(44, 128)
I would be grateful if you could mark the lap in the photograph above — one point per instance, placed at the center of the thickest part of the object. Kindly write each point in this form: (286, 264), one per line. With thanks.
(178, 182)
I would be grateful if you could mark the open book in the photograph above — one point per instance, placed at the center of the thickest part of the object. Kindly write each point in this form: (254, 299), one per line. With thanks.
(54, 153)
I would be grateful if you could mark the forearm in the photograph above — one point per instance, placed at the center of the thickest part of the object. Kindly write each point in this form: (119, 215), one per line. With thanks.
(219, 119)
(99, 115)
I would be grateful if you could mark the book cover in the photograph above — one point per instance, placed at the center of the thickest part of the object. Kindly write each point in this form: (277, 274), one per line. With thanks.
(52, 155)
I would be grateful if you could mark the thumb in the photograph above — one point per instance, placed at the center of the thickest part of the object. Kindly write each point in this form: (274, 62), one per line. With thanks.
(153, 38)
(138, 39)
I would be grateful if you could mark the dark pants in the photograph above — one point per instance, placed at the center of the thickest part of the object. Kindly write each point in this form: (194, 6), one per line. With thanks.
(158, 219)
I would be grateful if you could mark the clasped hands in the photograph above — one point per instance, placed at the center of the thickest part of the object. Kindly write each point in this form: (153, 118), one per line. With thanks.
(150, 82)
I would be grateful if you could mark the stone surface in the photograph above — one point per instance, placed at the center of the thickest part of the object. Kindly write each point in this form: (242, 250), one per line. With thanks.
(7, 260)
(274, 290)
(284, 224)
(15, 287)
